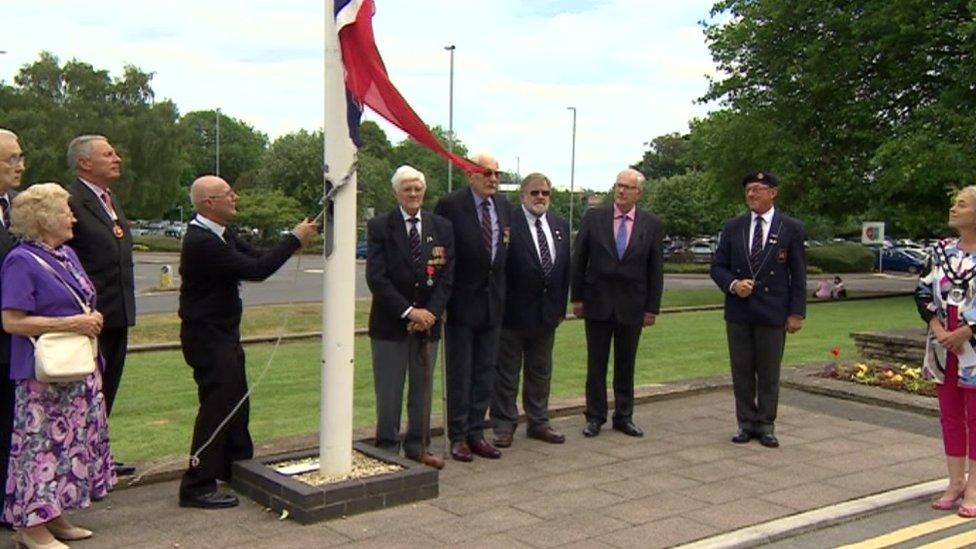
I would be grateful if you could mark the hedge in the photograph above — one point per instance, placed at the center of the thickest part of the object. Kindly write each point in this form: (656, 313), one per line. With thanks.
(845, 257)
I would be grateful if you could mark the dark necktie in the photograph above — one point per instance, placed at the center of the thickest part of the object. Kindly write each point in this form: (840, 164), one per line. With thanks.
(5, 212)
(544, 254)
(486, 224)
(622, 237)
(414, 235)
(757, 244)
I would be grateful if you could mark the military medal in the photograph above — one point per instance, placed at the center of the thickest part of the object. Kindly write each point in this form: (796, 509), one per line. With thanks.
(430, 275)
(117, 231)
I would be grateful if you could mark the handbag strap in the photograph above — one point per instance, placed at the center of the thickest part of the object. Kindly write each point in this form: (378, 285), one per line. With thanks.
(47, 267)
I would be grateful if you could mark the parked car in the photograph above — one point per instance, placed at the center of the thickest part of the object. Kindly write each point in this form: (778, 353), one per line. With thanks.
(701, 251)
(897, 259)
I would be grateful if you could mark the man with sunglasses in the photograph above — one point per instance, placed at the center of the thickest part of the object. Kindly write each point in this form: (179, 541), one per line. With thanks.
(11, 172)
(213, 262)
(536, 287)
(480, 218)
(617, 279)
(104, 244)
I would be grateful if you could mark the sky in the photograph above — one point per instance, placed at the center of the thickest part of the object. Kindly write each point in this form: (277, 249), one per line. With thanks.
(633, 69)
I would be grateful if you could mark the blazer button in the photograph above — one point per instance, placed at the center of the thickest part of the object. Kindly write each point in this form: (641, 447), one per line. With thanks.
(772, 272)
(766, 289)
(416, 284)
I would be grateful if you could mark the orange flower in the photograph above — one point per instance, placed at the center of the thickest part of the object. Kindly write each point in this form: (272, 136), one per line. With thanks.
(835, 351)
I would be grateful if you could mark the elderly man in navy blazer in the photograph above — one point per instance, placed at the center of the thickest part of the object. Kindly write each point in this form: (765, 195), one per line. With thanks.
(536, 287)
(617, 279)
(761, 266)
(409, 268)
(480, 217)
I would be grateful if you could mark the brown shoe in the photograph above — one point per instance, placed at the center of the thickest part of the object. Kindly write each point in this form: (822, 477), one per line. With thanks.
(461, 451)
(481, 448)
(546, 434)
(431, 460)
(503, 440)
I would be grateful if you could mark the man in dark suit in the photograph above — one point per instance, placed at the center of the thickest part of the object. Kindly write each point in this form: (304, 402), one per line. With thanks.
(536, 287)
(409, 270)
(213, 262)
(616, 286)
(480, 218)
(11, 172)
(761, 266)
(104, 245)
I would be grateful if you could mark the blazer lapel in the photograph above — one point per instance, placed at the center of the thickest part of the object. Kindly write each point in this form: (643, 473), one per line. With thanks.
(398, 230)
(94, 205)
(522, 230)
(429, 237)
(609, 238)
(636, 232)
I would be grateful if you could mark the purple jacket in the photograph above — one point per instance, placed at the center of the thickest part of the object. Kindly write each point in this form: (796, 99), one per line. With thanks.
(26, 286)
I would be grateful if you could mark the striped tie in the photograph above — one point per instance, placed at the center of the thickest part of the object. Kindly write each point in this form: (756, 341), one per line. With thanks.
(415, 250)
(757, 244)
(544, 255)
(5, 212)
(486, 224)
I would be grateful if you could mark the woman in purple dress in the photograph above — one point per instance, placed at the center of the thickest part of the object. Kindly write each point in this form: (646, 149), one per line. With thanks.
(59, 452)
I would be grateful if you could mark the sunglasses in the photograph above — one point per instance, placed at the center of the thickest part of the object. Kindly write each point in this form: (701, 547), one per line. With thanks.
(540, 192)
(490, 173)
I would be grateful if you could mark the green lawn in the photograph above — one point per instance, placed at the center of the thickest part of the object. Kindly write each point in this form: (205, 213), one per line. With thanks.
(157, 402)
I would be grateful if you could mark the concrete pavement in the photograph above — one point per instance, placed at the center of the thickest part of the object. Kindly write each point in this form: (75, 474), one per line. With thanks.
(684, 481)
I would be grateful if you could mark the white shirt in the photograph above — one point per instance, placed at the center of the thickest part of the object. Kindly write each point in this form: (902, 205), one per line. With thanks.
(531, 217)
(203, 222)
(406, 221)
(100, 193)
(767, 222)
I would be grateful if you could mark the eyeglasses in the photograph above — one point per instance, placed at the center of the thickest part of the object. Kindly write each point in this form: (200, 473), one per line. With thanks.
(626, 187)
(492, 173)
(16, 160)
(540, 192)
(227, 194)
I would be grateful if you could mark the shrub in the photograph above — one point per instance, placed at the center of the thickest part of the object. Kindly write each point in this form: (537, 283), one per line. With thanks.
(845, 257)
(155, 243)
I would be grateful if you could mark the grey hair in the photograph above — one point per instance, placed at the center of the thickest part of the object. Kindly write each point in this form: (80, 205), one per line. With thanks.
(407, 173)
(535, 176)
(631, 171)
(7, 133)
(968, 192)
(34, 210)
(81, 147)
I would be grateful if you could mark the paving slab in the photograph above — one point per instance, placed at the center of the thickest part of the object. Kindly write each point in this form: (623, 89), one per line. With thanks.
(682, 482)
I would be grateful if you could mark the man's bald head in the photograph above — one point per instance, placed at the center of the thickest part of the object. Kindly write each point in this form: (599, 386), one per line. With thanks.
(213, 198)
(485, 183)
(11, 161)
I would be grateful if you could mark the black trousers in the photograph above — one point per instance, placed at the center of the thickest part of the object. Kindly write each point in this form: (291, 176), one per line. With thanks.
(112, 343)
(625, 337)
(531, 353)
(393, 362)
(217, 358)
(756, 353)
(471, 357)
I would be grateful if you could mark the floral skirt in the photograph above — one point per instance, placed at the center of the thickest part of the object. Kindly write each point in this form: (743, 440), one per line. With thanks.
(59, 451)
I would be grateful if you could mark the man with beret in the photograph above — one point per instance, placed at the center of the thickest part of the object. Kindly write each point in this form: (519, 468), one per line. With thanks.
(761, 266)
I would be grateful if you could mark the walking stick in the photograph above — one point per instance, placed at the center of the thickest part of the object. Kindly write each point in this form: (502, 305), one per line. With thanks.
(447, 442)
(424, 341)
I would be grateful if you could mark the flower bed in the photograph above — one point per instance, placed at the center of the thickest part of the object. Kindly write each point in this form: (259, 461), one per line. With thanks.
(897, 377)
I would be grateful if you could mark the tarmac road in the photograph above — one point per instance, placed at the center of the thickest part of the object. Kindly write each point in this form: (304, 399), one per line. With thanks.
(300, 280)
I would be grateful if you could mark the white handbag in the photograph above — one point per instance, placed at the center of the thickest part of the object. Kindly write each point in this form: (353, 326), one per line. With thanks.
(63, 357)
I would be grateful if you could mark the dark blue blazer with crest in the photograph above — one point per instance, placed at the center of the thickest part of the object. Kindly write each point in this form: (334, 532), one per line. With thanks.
(781, 278)
(531, 301)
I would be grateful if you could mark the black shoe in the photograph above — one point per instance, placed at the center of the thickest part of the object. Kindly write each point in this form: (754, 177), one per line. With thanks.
(768, 440)
(741, 436)
(212, 500)
(592, 429)
(628, 428)
(122, 469)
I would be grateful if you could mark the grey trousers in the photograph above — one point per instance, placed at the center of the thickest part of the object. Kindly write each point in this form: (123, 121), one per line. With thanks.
(530, 352)
(756, 353)
(393, 361)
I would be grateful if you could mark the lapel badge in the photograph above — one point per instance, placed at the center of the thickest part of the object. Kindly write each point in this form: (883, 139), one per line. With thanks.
(781, 255)
(505, 236)
(430, 238)
(773, 238)
(558, 234)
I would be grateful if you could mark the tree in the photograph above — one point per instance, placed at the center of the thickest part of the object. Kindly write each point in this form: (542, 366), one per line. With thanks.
(668, 155)
(241, 147)
(268, 210)
(293, 164)
(431, 164)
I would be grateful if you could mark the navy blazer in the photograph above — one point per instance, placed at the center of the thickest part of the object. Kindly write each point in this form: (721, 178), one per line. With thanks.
(396, 282)
(106, 258)
(478, 294)
(781, 279)
(612, 288)
(531, 301)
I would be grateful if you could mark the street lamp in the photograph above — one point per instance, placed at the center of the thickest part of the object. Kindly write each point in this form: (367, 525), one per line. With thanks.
(572, 176)
(450, 122)
(217, 150)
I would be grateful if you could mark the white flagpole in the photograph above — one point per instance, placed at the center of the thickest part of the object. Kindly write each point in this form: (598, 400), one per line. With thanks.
(339, 292)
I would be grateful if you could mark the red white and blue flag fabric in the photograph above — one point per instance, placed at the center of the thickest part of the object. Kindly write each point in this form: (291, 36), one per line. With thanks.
(368, 84)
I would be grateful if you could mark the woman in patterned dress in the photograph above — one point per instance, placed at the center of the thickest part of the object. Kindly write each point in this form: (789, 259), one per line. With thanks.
(59, 451)
(946, 300)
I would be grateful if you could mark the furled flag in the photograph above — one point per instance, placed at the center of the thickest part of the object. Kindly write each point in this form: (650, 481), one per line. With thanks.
(367, 82)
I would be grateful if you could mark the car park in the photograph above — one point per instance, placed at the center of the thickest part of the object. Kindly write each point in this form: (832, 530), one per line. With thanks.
(897, 259)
